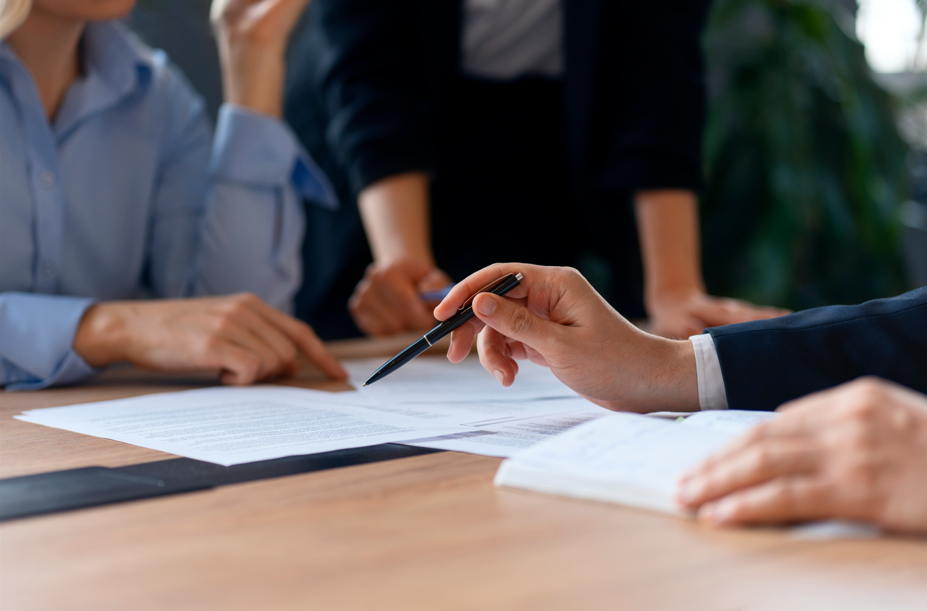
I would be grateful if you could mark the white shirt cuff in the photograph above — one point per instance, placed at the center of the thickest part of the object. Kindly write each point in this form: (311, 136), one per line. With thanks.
(711, 394)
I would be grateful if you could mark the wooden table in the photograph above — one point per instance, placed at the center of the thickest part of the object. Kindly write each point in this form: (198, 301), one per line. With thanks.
(428, 532)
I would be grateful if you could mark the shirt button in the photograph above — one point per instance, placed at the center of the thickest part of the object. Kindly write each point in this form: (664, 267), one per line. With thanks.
(47, 178)
(48, 269)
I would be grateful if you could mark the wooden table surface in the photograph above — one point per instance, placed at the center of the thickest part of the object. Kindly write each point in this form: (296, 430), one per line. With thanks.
(428, 532)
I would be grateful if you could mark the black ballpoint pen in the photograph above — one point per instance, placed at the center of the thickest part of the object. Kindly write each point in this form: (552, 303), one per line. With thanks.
(500, 286)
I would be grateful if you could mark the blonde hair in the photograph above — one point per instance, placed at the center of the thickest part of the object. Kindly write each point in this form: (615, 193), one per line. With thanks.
(12, 14)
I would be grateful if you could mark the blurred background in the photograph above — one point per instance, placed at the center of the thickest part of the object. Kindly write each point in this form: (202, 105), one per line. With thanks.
(815, 147)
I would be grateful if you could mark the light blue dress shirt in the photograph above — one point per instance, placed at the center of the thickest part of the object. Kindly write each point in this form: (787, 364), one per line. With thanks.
(128, 193)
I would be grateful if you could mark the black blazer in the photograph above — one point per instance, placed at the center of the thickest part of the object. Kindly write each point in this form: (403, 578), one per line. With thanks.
(368, 80)
(633, 87)
(766, 363)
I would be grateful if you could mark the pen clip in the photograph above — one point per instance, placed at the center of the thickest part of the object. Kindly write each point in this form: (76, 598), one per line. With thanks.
(486, 288)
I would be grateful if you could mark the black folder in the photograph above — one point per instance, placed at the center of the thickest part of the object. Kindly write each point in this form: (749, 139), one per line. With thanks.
(43, 493)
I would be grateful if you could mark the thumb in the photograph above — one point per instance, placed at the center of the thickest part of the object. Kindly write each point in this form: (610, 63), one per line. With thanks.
(514, 321)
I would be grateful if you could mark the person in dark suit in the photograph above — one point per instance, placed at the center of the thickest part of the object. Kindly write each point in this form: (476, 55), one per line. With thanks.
(568, 126)
(851, 443)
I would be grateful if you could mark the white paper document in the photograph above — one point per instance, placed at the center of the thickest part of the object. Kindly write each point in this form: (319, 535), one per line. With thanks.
(733, 421)
(620, 458)
(229, 426)
(435, 380)
(507, 437)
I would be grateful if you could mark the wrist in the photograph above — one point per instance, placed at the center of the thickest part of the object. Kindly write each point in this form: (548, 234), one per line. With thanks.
(253, 78)
(674, 376)
(102, 337)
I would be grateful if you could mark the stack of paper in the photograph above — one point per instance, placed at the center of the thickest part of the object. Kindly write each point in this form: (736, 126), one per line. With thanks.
(429, 403)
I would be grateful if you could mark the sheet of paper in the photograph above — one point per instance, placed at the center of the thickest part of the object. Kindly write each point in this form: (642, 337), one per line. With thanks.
(512, 435)
(229, 426)
(479, 414)
(626, 449)
(732, 421)
(433, 379)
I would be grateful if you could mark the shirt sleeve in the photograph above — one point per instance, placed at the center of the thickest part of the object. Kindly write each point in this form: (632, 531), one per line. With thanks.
(36, 337)
(227, 215)
(254, 223)
(711, 393)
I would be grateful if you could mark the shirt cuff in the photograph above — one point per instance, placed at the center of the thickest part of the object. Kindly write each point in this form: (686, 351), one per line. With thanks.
(711, 394)
(261, 150)
(38, 333)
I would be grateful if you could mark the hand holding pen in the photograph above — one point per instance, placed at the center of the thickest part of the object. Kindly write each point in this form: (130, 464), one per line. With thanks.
(555, 318)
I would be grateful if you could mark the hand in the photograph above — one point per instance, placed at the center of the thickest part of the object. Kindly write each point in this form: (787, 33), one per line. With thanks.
(857, 452)
(240, 335)
(386, 300)
(252, 36)
(686, 313)
(555, 318)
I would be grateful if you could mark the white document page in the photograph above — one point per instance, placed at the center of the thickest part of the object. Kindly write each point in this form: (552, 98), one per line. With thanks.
(732, 421)
(434, 379)
(230, 426)
(479, 414)
(621, 458)
(512, 435)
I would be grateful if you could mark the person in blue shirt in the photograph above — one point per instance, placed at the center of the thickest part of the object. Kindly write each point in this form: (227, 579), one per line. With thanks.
(112, 187)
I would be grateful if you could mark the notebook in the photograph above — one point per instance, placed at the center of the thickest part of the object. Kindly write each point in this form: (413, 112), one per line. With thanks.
(624, 458)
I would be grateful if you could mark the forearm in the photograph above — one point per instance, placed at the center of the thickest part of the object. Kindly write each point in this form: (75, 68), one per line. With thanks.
(396, 216)
(667, 223)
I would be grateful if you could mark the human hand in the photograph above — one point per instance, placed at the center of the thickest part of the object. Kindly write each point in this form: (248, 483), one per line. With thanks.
(252, 37)
(386, 300)
(686, 313)
(856, 452)
(240, 335)
(555, 318)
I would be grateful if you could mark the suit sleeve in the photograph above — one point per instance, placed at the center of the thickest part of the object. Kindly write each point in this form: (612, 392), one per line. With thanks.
(657, 95)
(766, 363)
(367, 61)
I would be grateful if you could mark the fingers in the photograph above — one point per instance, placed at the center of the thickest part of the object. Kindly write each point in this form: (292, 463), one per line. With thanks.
(495, 357)
(747, 467)
(304, 338)
(239, 366)
(783, 500)
(265, 338)
(515, 321)
(387, 301)
(476, 281)
(462, 340)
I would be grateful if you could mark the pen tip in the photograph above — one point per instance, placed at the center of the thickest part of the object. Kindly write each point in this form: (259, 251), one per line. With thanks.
(364, 384)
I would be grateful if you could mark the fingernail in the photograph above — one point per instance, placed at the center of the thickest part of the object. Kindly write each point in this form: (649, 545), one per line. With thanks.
(499, 376)
(486, 306)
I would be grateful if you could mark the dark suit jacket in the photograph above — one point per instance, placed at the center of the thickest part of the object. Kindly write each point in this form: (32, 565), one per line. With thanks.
(766, 363)
(370, 79)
